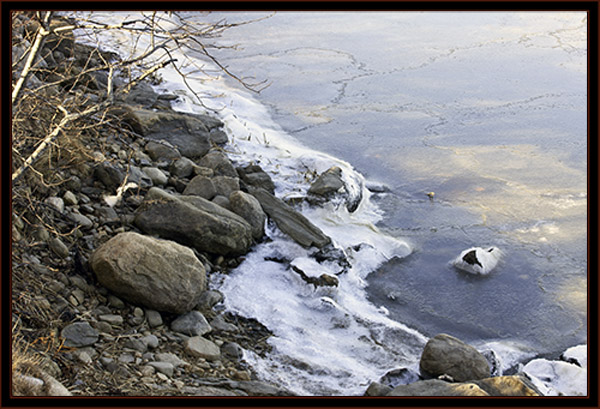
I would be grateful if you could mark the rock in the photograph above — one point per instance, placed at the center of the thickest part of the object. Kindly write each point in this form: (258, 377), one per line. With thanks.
(136, 345)
(107, 214)
(218, 137)
(192, 323)
(40, 234)
(79, 334)
(156, 175)
(209, 299)
(182, 168)
(172, 359)
(446, 355)
(187, 132)
(69, 198)
(508, 386)
(255, 176)
(290, 221)
(56, 202)
(154, 318)
(203, 348)
(158, 150)
(115, 302)
(576, 355)
(328, 183)
(219, 163)
(54, 387)
(249, 208)
(435, 387)
(232, 350)
(201, 186)
(377, 389)
(221, 201)
(58, 247)
(112, 319)
(138, 177)
(81, 220)
(109, 175)
(155, 273)
(166, 368)
(142, 94)
(402, 376)
(220, 324)
(151, 341)
(555, 378)
(194, 221)
(226, 185)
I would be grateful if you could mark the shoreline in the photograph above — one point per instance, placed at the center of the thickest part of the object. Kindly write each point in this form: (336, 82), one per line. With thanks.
(90, 213)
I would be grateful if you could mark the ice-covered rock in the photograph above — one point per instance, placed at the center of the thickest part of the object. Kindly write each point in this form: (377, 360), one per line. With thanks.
(557, 378)
(477, 260)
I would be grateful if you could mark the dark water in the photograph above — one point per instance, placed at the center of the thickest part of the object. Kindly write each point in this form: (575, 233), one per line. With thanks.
(487, 110)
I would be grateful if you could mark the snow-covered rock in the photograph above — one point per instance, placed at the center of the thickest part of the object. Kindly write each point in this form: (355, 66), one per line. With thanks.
(477, 260)
(557, 378)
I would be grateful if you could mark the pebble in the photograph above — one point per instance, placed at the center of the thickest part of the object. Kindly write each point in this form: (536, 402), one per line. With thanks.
(148, 370)
(202, 347)
(154, 318)
(79, 295)
(103, 326)
(157, 176)
(220, 324)
(79, 282)
(115, 302)
(113, 319)
(126, 358)
(82, 220)
(69, 198)
(171, 358)
(151, 341)
(166, 368)
(41, 234)
(56, 202)
(138, 312)
(136, 344)
(58, 247)
(192, 323)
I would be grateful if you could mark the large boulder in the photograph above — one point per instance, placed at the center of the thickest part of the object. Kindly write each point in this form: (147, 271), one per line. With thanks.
(446, 355)
(158, 274)
(248, 207)
(195, 222)
(188, 132)
(290, 221)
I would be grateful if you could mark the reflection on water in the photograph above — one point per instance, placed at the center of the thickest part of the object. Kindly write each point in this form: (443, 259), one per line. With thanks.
(488, 110)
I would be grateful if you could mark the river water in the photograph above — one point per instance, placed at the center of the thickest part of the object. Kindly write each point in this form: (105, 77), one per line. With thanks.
(486, 110)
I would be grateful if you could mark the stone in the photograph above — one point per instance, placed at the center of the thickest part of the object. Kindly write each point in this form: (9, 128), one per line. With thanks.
(151, 341)
(81, 220)
(201, 186)
(254, 175)
(290, 221)
(218, 137)
(514, 385)
(189, 133)
(158, 150)
(203, 348)
(56, 202)
(107, 214)
(219, 163)
(172, 359)
(70, 199)
(232, 350)
(157, 176)
(435, 387)
(139, 177)
(555, 378)
(158, 274)
(166, 368)
(115, 302)
(112, 319)
(182, 167)
(195, 222)
(249, 208)
(136, 345)
(377, 389)
(328, 183)
(79, 334)
(220, 324)
(221, 201)
(208, 299)
(401, 376)
(110, 176)
(154, 318)
(192, 323)
(226, 185)
(58, 247)
(446, 355)
(41, 234)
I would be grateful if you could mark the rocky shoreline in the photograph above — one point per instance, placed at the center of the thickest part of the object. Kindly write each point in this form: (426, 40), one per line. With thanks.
(111, 263)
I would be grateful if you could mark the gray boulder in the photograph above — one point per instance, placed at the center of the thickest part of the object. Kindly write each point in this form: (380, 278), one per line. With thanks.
(446, 355)
(254, 175)
(188, 132)
(219, 163)
(249, 208)
(201, 186)
(159, 274)
(195, 222)
(182, 168)
(328, 183)
(290, 221)
(226, 185)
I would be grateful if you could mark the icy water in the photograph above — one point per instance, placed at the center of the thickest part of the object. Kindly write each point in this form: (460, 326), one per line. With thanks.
(487, 110)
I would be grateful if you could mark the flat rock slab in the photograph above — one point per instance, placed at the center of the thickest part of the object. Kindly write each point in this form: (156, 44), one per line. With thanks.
(289, 221)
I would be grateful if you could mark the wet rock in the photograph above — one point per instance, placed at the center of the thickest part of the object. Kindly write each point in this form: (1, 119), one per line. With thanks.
(377, 389)
(290, 221)
(435, 387)
(203, 348)
(155, 273)
(208, 299)
(401, 376)
(157, 176)
(255, 176)
(201, 186)
(328, 183)
(446, 355)
(219, 163)
(194, 221)
(192, 323)
(249, 208)
(79, 334)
